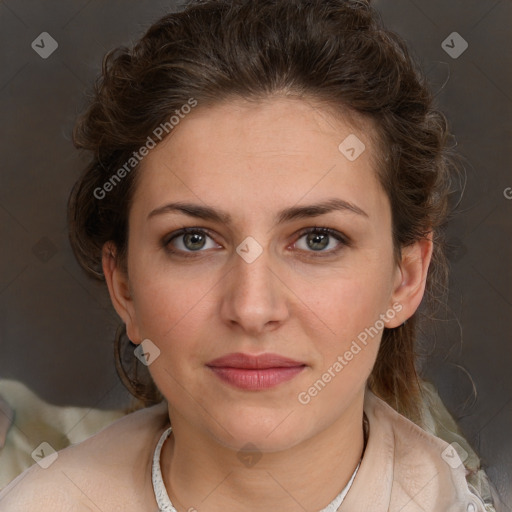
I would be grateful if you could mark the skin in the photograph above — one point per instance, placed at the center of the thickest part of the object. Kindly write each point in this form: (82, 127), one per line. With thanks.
(250, 160)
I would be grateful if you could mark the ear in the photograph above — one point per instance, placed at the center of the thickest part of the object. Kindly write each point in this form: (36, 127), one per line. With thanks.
(411, 277)
(119, 290)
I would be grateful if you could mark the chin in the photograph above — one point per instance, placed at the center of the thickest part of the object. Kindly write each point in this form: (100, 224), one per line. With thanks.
(267, 432)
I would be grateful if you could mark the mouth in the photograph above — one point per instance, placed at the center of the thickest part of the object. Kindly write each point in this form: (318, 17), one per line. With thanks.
(248, 372)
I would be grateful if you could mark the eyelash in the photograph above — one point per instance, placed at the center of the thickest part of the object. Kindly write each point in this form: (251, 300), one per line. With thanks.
(343, 239)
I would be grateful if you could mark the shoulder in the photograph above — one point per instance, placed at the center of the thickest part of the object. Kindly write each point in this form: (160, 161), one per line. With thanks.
(424, 466)
(109, 471)
(27, 420)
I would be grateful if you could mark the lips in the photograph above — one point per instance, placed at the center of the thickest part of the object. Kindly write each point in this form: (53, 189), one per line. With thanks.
(255, 373)
(250, 362)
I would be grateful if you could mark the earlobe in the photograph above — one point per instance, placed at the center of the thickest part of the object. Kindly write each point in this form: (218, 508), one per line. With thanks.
(119, 291)
(411, 278)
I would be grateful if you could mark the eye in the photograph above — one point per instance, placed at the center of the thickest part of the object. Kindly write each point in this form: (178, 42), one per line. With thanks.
(188, 240)
(317, 239)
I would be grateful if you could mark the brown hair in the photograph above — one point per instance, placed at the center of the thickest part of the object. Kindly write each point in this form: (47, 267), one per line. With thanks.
(333, 51)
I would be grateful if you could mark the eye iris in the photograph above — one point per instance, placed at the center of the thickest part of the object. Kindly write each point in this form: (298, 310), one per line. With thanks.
(197, 240)
(317, 238)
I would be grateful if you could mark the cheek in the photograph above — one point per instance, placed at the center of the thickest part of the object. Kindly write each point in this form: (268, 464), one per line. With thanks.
(350, 310)
(349, 305)
(163, 294)
(338, 302)
(172, 310)
(346, 301)
(166, 311)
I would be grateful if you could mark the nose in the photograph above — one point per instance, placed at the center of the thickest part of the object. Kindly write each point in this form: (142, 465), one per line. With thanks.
(254, 296)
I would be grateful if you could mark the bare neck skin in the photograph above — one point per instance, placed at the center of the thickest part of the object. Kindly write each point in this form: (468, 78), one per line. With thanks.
(201, 474)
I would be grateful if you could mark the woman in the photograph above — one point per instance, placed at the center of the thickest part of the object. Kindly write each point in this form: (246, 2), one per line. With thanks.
(265, 201)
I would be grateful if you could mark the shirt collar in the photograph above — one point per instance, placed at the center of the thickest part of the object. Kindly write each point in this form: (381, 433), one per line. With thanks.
(403, 470)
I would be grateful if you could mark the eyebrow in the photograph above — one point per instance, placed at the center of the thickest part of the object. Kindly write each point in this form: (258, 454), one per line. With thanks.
(286, 215)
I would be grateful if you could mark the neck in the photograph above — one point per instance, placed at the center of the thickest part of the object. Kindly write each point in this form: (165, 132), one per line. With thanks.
(199, 473)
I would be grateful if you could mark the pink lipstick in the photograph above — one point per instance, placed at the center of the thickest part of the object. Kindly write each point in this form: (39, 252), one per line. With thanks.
(249, 372)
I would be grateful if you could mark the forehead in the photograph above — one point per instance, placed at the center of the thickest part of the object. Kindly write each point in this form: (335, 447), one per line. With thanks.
(243, 155)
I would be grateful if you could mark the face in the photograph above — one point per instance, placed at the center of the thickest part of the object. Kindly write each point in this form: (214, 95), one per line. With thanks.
(254, 280)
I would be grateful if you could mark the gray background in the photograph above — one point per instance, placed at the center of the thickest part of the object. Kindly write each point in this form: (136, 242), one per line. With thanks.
(57, 326)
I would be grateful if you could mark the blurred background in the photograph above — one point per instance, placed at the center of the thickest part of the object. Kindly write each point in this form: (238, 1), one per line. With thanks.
(57, 327)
